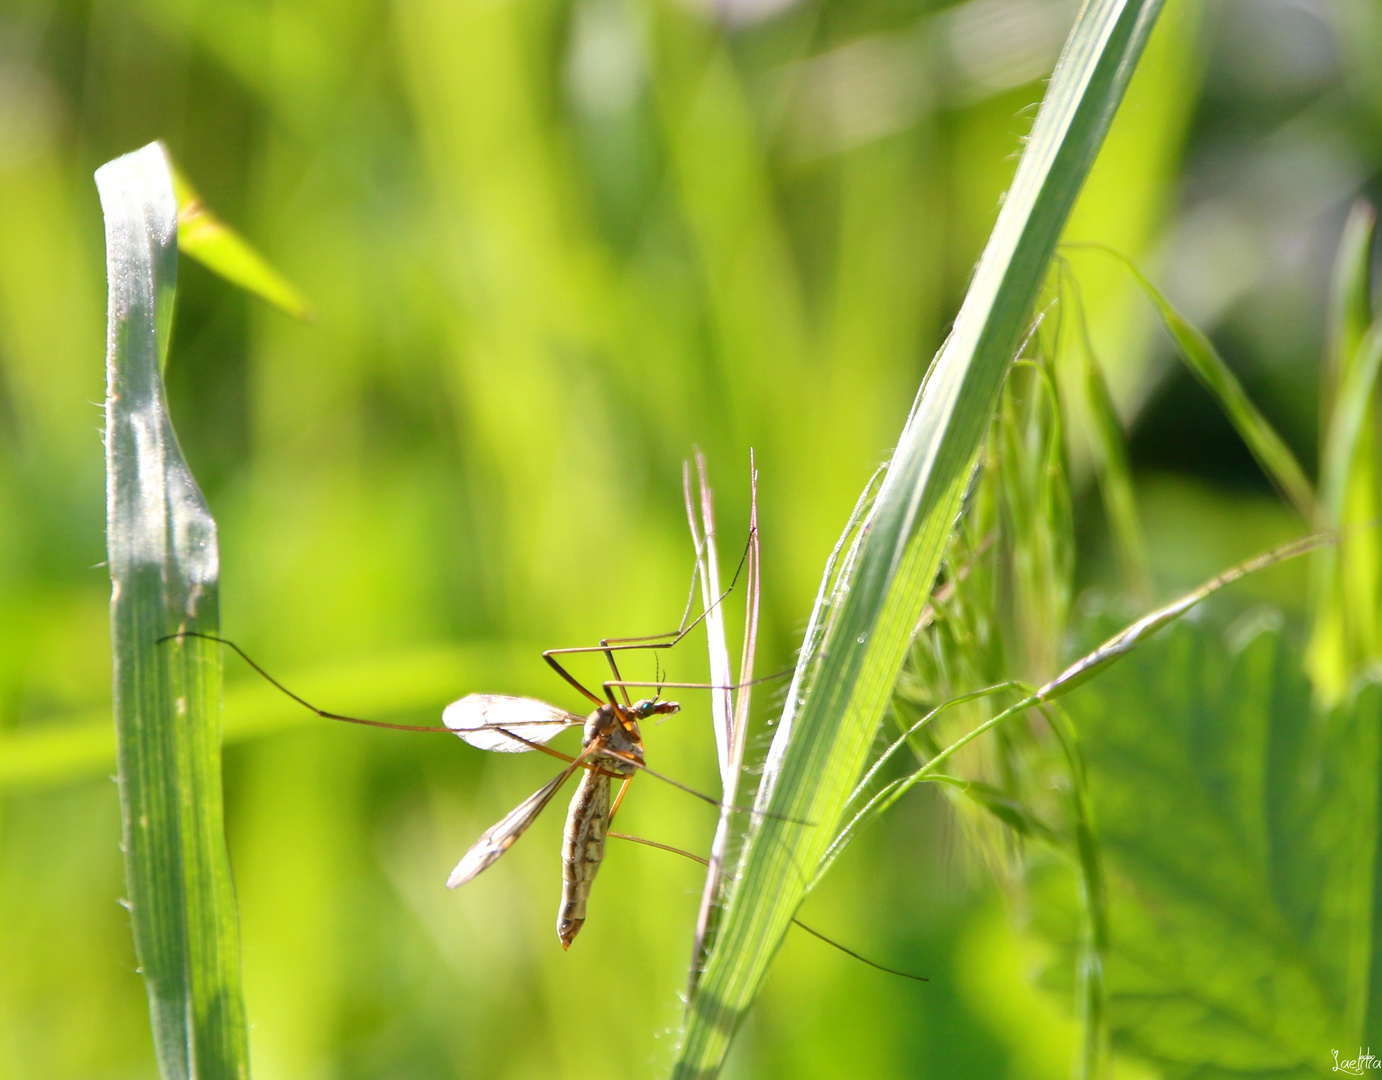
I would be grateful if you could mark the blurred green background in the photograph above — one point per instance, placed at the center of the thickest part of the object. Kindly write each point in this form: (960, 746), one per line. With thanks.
(552, 247)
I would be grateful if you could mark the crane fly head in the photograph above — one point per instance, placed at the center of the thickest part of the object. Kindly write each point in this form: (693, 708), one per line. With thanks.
(653, 707)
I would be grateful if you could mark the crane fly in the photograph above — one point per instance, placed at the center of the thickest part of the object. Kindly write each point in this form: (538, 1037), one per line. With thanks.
(611, 748)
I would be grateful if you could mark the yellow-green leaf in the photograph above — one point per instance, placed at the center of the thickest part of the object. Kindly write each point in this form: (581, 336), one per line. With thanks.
(218, 247)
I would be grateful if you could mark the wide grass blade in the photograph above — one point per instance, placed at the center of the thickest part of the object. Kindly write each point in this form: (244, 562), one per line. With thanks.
(164, 570)
(843, 684)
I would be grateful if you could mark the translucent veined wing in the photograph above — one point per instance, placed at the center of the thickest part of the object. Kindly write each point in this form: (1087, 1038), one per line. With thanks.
(490, 721)
(497, 839)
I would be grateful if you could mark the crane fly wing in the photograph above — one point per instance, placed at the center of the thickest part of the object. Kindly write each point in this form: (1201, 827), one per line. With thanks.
(497, 839)
(490, 721)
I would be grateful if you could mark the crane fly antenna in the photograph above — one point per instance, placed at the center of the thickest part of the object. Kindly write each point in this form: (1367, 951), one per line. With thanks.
(810, 930)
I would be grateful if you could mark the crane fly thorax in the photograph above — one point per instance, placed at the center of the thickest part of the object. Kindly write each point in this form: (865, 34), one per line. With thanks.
(620, 744)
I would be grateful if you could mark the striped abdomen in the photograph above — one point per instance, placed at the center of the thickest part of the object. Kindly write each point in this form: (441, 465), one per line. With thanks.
(583, 846)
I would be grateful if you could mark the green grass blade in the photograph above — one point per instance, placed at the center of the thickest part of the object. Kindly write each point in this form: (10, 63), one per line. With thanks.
(164, 570)
(1109, 445)
(223, 251)
(729, 708)
(1091, 994)
(842, 688)
(1093, 663)
(1115, 483)
(1351, 429)
(1350, 297)
(1347, 583)
(1122, 643)
(1204, 361)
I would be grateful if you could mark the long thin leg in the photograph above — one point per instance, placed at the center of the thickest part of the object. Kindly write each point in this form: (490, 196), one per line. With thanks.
(629, 683)
(609, 646)
(550, 656)
(609, 655)
(578, 760)
(283, 689)
(339, 716)
(606, 649)
(683, 629)
(691, 592)
(641, 767)
(623, 790)
(814, 933)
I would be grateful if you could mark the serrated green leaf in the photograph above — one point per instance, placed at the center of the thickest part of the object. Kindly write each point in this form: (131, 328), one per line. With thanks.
(164, 569)
(861, 629)
(1239, 828)
(205, 237)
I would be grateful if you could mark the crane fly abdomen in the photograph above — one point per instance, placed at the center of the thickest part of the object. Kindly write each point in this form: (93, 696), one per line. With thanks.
(582, 848)
(619, 750)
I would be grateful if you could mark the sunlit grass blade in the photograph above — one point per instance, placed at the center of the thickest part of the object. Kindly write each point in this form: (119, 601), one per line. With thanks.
(1110, 447)
(218, 247)
(164, 570)
(1350, 298)
(1036, 514)
(708, 569)
(731, 740)
(842, 687)
(1204, 361)
(1122, 643)
(1115, 482)
(1347, 581)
